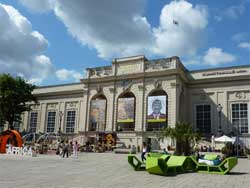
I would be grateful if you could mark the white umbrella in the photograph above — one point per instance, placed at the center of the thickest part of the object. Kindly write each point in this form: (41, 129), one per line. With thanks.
(224, 139)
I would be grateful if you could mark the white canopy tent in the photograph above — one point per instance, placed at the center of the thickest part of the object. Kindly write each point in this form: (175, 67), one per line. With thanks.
(224, 139)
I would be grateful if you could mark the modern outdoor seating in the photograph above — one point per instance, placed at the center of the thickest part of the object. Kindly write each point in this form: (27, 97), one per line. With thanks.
(162, 164)
(157, 165)
(136, 163)
(223, 168)
(154, 154)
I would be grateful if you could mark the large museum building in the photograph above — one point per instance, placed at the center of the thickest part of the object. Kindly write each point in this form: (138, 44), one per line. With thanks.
(135, 97)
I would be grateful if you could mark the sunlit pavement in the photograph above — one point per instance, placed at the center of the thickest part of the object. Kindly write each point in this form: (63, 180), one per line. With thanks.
(105, 170)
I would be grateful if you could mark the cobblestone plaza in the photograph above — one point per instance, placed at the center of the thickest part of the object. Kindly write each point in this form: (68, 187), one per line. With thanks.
(100, 170)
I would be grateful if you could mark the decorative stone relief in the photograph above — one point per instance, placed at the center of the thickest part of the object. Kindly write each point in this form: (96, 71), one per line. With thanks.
(140, 87)
(127, 84)
(53, 105)
(35, 106)
(99, 89)
(240, 95)
(111, 90)
(71, 104)
(157, 84)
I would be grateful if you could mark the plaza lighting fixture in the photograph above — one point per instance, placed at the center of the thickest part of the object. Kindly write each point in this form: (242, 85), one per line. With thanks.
(219, 109)
(60, 121)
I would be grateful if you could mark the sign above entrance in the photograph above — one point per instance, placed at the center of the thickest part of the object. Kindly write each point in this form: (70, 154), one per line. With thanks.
(220, 73)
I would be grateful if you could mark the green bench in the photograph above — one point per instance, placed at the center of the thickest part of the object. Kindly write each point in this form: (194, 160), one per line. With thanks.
(157, 165)
(223, 168)
(167, 164)
(154, 154)
(136, 163)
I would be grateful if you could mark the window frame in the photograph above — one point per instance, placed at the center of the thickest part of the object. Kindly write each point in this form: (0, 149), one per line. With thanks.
(47, 121)
(195, 115)
(238, 128)
(119, 125)
(30, 120)
(66, 121)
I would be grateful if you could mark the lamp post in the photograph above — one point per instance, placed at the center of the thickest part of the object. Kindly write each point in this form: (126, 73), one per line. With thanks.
(219, 109)
(60, 121)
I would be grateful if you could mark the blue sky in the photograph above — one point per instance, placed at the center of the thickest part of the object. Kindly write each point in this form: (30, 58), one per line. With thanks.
(74, 35)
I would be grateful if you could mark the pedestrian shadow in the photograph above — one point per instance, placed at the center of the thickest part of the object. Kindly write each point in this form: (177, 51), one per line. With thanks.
(238, 173)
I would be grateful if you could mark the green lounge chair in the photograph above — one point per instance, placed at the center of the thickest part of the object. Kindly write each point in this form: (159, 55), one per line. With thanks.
(157, 165)
(154, 154)
(223, 168)
(177, 164)
(136, 163)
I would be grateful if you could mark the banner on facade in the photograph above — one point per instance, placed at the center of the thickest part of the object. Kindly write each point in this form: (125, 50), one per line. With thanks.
(157, 108)
(126, 110)
(98, 114)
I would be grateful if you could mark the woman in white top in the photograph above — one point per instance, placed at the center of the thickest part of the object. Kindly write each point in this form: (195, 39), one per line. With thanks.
(75, 149)
(144, 151)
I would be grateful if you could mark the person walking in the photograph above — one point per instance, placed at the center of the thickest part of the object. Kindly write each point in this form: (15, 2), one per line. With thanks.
(71, 148)
(144, 151)
(75, 149)
(66, 150)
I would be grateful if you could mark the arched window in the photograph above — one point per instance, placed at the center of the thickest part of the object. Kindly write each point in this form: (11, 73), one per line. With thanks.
(126, 112)
(97, 117)
(157, 111)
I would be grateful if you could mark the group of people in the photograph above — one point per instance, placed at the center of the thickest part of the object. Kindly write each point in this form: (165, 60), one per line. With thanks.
(67, 148)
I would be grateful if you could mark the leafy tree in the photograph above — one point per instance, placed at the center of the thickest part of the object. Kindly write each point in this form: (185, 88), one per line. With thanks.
(14, 94)
(1, 122)
(183, 134)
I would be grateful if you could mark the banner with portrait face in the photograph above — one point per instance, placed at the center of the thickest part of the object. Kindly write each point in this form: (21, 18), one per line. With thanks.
(157, 109)
(126, 110)
(98, 114)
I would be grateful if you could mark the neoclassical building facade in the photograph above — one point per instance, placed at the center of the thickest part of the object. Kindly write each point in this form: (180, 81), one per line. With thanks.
(134, 97)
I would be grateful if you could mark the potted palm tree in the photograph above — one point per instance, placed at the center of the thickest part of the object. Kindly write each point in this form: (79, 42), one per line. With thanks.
(183, 135)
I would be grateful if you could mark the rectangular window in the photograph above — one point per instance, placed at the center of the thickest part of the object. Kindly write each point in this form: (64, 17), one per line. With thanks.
(70, 122)
(51, 120)
(240, 117)
(33, 122)
(16, 125)
(203, 118)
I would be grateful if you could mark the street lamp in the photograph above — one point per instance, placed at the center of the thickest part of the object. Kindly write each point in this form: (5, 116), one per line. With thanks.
(219, 109)
(60, 121)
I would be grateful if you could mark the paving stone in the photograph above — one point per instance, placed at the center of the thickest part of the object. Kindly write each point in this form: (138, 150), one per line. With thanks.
(101, 170)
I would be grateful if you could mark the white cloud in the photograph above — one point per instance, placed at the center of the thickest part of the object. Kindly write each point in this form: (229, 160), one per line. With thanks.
(21, 47)
(239, 37)
(112, 27)
(64, 74)
(119, 28)
(245, 45)
(39, 5)
(216, 56)
(235, 11)
(184, 38)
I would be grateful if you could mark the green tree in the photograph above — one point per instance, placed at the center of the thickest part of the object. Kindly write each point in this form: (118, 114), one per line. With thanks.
(183, 135)
(1, 122)
(14, 94)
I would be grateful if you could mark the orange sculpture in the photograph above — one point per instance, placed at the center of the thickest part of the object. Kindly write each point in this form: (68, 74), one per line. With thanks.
(14, 138)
